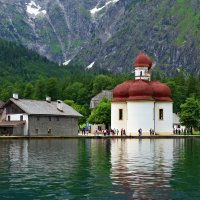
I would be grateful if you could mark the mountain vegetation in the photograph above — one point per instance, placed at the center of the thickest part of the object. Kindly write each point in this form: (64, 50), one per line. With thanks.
(107, 33)
(34, 77)
(20, 64)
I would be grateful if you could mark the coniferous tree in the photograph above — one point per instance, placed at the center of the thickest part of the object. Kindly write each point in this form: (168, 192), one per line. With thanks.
(190, 113)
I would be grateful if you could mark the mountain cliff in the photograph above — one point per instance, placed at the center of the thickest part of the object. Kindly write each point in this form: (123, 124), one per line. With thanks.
(107, 34)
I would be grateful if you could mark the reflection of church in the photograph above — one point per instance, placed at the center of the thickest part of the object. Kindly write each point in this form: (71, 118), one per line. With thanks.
(142, 169)
(142, 103)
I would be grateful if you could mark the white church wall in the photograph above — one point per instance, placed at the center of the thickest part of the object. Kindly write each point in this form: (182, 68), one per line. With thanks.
(140, 115)
(115, 122)
(164, 126)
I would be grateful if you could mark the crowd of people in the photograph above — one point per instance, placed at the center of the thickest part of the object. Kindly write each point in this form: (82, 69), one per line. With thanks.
(185, 131)
(122, 132)
(113, 132)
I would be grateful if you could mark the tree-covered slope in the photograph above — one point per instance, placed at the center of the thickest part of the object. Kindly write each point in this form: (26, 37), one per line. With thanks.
(107, 34)
(20, 64)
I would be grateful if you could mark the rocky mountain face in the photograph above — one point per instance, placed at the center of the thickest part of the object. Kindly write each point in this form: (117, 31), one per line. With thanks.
(107, 33)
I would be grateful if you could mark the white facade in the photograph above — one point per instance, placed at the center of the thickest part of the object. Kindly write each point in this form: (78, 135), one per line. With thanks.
(140, 115)
(117, 123)
(144, 115)
(17, 117)
(164, 126)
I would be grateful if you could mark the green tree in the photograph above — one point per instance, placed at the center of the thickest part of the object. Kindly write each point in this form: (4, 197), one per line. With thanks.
(28, 91)
(79, 108)
(191, 86)
(77, 92)
(52, 89)
(102, 82)
(40, 90)
(178, 94)
(101, 114)
(190, 113)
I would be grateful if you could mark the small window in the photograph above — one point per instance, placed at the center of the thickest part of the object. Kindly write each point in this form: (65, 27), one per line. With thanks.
(38, 118)
(21, 117)
(120, 114)
(36, 130)
(49, 131)
(49, 118)
(160, 114)
(8, 117)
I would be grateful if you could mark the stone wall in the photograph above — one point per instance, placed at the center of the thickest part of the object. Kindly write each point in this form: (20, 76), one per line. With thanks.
(53, 125)
(18, 131)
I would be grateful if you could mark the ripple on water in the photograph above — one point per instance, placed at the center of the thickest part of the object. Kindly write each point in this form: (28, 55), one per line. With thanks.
(99, 169)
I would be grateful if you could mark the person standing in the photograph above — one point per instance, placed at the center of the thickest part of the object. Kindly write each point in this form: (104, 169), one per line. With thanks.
(121, 131)
(117, 131)
(124, 132)
(140, 132)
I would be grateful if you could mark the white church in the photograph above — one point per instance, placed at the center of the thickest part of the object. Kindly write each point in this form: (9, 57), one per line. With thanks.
(142, 103)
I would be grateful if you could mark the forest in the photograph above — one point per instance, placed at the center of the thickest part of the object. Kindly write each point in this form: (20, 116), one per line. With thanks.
(34, 77)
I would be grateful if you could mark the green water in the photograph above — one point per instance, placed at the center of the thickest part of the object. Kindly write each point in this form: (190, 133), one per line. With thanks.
(100, 169)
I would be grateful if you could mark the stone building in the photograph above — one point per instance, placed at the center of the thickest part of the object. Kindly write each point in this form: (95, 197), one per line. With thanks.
(96, 99)
(142, 103)
(93, 103)
(37, 118)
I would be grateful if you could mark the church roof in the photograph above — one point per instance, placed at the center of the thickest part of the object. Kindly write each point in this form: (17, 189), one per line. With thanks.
(142, 60)
(142, 90)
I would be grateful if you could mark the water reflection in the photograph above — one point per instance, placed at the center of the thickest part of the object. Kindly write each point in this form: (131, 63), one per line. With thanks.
(100, 169)
(143, 167)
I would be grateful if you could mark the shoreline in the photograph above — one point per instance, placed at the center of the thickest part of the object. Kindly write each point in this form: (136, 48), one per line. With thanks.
(101, 137)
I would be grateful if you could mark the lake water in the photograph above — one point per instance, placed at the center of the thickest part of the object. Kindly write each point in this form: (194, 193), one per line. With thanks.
(100, 169)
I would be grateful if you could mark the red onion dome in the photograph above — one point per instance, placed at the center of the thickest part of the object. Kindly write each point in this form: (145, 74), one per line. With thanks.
(161, 92)
(142, 60)
(140, 90)
(120, 92)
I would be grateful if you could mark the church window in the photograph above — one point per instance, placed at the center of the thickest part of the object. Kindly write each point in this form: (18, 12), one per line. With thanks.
(160, 114)
(120, 114)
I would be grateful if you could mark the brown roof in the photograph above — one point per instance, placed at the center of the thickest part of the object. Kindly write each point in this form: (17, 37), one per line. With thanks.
(11, 123)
